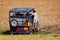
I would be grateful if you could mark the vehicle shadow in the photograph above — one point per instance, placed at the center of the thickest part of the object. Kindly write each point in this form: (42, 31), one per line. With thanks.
(8, 33)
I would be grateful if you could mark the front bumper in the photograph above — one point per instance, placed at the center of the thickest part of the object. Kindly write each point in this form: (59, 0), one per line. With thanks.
(19, 30)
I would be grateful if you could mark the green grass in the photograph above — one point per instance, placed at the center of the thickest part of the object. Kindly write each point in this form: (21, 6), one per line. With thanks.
(36, 36)
(29, 37)
(1, 31)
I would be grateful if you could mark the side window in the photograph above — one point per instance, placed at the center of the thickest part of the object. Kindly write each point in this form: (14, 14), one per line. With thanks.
(32, 15)
(12, 14)
(31, 12)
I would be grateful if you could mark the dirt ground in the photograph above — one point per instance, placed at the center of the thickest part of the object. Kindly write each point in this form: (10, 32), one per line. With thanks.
(48, 11)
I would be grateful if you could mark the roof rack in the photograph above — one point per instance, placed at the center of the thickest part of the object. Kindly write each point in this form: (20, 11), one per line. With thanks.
(21, 10)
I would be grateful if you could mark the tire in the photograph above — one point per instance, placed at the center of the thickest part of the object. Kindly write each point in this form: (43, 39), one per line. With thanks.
(14, 23)
(32, 32)
(36, 30)
(11, 33)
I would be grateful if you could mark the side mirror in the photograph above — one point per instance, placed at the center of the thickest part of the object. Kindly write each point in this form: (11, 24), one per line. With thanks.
(34, 11)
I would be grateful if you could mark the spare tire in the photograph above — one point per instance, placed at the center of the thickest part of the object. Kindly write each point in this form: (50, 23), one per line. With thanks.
(14, 23)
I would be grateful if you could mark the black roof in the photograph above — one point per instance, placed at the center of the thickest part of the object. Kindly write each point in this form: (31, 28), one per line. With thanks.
(21, 10)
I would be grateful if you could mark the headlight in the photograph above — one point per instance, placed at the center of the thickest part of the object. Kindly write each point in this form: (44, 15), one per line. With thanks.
(14, 23)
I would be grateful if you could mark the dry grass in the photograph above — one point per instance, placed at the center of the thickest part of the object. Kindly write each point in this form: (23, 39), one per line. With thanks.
(48, 13)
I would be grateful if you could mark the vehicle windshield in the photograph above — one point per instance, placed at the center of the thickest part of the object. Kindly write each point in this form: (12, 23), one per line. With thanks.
(18, 14)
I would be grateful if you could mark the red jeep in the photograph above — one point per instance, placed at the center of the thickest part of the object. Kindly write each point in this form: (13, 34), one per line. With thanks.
(21, 21)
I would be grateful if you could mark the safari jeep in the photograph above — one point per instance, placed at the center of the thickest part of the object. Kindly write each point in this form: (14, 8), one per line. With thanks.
(21, 20)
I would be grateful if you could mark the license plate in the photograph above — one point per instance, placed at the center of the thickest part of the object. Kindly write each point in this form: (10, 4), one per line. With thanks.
(25, 28)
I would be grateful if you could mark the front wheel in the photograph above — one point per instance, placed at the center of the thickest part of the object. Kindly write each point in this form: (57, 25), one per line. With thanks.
(37, 29)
